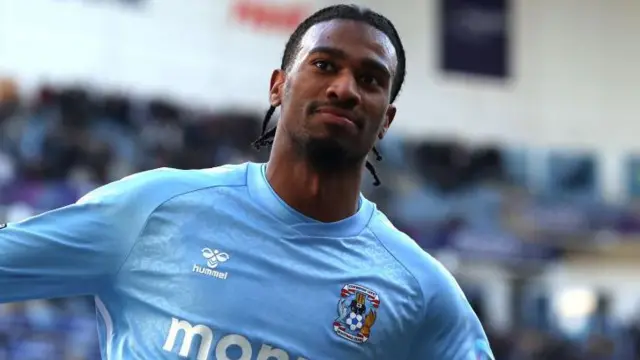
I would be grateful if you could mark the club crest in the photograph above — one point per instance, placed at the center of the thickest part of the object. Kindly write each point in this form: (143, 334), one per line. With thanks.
(357, 313)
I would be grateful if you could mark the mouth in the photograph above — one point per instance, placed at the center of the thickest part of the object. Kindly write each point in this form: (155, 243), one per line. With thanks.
(339, 115)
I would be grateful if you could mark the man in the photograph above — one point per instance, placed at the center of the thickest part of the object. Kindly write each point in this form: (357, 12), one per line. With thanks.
(284, 260)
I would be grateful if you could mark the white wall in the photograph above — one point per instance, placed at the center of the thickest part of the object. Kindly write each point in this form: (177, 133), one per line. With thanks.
(575, 72)
(45, 40)
(191, 51)
(617, 278)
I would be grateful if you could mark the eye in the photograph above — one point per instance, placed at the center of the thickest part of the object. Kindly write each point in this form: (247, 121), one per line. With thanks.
(369, 80)
(324, 65)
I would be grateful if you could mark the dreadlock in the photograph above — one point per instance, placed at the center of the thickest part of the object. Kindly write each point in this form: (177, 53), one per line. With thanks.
(345, 12)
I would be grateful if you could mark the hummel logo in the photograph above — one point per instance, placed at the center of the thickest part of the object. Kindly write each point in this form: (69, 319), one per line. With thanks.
(214, 259)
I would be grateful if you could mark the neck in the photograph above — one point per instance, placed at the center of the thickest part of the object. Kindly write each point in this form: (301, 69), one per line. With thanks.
(321, 195)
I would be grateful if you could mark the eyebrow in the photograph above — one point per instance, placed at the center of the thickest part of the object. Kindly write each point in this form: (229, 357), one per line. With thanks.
(341, 54)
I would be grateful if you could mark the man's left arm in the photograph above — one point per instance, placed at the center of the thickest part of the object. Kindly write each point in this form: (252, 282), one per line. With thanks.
(450, 329)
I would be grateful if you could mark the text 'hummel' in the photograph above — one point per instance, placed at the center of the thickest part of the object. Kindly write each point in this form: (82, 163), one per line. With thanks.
(214, 259)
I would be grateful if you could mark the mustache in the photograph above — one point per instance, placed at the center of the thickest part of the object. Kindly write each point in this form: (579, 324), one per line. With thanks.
(343, 105)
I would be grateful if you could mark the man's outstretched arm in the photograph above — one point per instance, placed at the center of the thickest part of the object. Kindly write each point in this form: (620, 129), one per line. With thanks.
(74, 250)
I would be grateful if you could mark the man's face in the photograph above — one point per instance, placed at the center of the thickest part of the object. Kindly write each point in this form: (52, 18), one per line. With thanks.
(335, 97)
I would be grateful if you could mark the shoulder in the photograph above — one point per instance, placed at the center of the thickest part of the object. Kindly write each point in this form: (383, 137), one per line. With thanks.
(149, 189)
(447, 327)
(430, 275)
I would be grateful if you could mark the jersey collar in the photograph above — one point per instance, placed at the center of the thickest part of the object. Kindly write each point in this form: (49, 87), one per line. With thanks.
(262, 192)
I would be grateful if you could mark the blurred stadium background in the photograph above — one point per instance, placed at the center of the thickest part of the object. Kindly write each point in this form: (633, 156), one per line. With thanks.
(513, 159)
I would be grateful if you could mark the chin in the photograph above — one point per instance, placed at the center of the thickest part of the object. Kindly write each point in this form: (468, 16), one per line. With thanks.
(330, 153)
(326, 145)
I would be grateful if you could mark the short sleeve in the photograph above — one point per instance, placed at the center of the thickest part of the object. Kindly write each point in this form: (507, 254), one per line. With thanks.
(450, 329)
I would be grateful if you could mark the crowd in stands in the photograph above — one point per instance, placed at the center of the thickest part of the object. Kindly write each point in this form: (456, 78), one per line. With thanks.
(61, 143)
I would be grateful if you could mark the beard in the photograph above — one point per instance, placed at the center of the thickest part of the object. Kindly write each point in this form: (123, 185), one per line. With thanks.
(328, 155)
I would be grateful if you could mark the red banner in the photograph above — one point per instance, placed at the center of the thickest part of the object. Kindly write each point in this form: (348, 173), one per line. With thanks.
(269, 16)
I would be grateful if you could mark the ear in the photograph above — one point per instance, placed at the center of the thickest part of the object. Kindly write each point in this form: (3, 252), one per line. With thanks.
(276, 89)
(388, 119)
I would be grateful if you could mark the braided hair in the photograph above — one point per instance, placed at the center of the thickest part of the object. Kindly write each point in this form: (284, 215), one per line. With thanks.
(345, 12)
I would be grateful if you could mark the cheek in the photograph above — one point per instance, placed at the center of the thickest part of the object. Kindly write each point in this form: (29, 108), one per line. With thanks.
(295, 83)
(378, 115)
(294, 94)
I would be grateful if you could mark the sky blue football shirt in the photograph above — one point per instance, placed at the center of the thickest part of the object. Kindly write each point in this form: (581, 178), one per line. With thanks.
(212, 264)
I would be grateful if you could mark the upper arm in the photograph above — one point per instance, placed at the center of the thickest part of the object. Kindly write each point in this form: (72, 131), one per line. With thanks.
(450, 330)
(446, 328)
(73, 250)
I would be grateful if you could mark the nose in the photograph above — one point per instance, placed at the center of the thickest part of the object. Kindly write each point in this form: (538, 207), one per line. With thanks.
(344, 89)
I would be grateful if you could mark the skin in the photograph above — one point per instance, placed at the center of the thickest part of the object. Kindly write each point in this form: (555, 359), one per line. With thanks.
(317, 160)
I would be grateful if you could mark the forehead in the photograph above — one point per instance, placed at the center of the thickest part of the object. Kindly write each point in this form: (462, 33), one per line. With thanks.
(355, 38)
